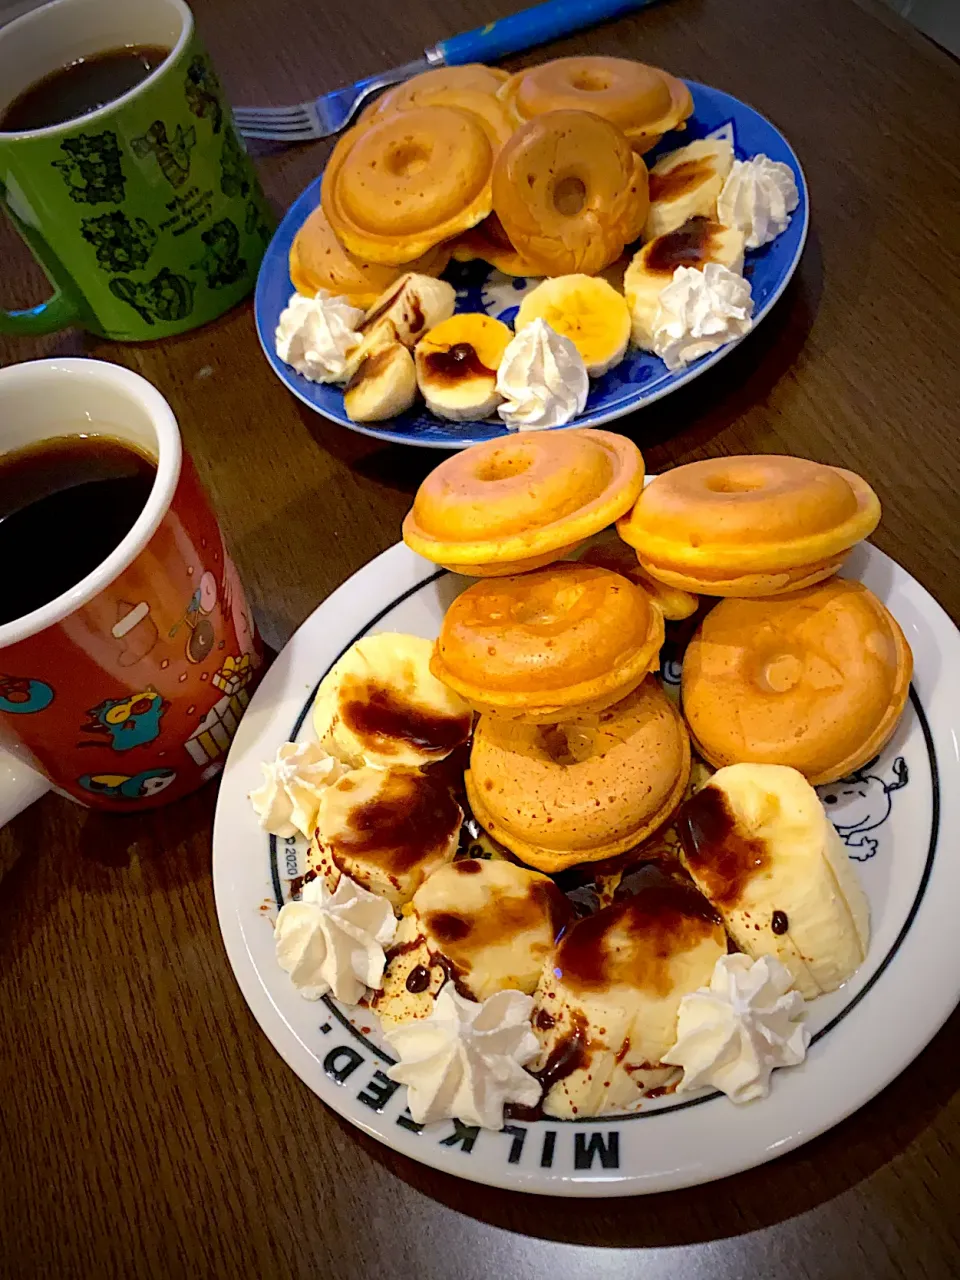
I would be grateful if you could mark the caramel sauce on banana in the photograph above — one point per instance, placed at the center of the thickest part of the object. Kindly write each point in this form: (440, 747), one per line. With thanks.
(720, 856)
(381, 717)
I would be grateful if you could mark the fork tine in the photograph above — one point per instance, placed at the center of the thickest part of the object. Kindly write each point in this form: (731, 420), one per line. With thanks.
(271, 115)
(277, 126)
(273, 135)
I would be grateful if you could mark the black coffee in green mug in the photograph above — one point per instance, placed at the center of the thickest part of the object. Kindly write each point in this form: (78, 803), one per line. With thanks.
(122, 169)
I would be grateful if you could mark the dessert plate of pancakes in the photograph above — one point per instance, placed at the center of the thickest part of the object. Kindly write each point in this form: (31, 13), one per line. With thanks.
(843, 676)
(640, 377)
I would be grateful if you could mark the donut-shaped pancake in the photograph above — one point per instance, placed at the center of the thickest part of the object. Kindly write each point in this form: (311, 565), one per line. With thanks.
(570, 192)
(517, 503)
(816, 680)
(643, 102)
(488, 242)
(749, 526)
(441, 83)
(614, 554)
(547, 645)
(397, 185)
(588, 788)
(319, 261)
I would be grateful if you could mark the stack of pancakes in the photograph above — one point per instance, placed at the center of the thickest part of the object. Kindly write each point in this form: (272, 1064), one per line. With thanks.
(605, 868)
(580, 763)
(539, 173)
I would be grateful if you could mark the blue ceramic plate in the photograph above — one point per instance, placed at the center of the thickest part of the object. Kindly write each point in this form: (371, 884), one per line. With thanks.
(639, 379)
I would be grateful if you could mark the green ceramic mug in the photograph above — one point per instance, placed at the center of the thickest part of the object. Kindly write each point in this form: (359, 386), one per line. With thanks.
(146, 214)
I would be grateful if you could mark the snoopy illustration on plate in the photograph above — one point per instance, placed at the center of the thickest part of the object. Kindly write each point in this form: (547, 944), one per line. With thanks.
(860, 803)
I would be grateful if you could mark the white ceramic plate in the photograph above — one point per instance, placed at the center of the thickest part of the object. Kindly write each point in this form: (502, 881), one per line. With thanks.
(899, 819)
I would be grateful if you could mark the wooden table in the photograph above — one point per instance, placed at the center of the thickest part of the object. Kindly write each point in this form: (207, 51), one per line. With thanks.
(146, 1125)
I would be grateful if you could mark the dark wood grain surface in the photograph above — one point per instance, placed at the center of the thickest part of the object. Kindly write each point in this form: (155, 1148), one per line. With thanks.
(147, 1127)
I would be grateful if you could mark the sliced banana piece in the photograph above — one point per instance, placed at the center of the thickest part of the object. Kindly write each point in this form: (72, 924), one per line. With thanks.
(587, 310)
(457, 363)
(494, 923)
(403, 313)
(380, 704)
(384, 385)
(387, 829)
(759, 845)
(412, 978)
(687, 184)
(487, 925)
(697, 242)
(413, 304)
(605, 1011)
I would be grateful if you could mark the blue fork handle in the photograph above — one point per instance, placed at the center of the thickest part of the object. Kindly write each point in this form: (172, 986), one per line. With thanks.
(523, 30)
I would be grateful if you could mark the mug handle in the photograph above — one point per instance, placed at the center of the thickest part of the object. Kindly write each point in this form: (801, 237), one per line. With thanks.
(19, 786)
(60, 311)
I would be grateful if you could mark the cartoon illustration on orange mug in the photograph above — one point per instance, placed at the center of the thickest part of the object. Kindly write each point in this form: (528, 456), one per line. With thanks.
(125, 786)
(235, 674)
(201, 636)
(22, 697)
(210, 740)
(135, 630)
(131, 721)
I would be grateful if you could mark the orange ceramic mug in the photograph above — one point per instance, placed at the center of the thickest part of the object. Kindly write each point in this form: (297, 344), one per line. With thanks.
(124, 691)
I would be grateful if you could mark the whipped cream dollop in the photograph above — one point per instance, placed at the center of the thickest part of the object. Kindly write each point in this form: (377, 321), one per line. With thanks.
(315, 335)
(335, 941)
(732, 1034)
(700, 311)
(542, 379)
(465, 1060)
(293, 783)
(758, 196)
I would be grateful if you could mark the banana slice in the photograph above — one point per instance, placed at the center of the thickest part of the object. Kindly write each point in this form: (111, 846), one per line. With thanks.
(387, 829)
(605, 1011)
(487, 925)
(414, 304)
(381, 705)
(687, 184)
(587, 310)
(697, 242)
(494, 923)
(758, 842)
(413, 977)
(403, 313)
(384, 385)
(457, 363)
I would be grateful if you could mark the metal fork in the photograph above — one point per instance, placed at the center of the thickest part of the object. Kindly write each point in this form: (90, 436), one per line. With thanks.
(329, 113)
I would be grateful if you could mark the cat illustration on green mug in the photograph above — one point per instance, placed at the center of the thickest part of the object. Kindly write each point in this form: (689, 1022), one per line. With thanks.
(234, 171)
(92, 170)
(121, 244)
(221, 262)
(202, 89)
(256, 221)
(172, 154)
(166, 297)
